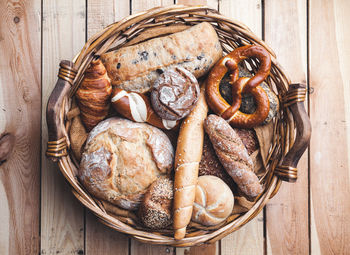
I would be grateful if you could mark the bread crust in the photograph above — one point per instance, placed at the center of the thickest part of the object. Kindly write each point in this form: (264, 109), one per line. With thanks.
(188, 155)
(122, 158)
(134, 68)
(214, 201)
(233, 155)
(174, 94)
(94, 94)
(156, 207)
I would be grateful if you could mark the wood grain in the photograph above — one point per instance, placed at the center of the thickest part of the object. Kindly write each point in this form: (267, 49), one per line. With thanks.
(101, 14)
(62, 216)
(329, 39)
(290, 234)
(250, 238)
(100, 239)
(20, 108)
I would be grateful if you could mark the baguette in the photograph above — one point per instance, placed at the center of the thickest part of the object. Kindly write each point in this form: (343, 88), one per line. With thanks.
(188, 155)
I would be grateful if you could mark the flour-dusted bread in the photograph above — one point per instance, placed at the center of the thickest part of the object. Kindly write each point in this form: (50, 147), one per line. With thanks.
(233, 155)
(136, 67)
(214, 201)
(122, 159)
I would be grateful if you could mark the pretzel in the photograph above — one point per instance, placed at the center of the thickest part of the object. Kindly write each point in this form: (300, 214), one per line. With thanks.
(241, 85)
(136, 107)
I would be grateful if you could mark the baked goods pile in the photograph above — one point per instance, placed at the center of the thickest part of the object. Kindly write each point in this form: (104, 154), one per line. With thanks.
(168, 130)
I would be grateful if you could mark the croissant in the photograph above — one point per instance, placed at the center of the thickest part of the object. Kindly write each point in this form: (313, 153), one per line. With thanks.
(188, 155)
(94, 95)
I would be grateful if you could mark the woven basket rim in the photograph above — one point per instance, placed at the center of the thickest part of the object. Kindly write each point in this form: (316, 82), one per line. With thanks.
(123, 31)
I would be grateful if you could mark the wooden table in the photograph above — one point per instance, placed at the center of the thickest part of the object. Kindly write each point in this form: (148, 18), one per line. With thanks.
(38, 213)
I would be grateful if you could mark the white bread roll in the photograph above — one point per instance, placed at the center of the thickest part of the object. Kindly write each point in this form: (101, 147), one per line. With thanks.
(214, 201)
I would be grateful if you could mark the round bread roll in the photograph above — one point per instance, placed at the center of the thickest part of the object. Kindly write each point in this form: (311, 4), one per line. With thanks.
(174, 94)
(155, 210)
(214, 201)
(122, 159)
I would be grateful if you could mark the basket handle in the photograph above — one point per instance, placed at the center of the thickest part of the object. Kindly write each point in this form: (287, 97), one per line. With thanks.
(287, 170)
(57, 144)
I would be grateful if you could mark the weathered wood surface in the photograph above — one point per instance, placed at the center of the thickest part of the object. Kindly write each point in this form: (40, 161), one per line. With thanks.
(289, 236)
(311, 41)
(20, 107)
(329, 38)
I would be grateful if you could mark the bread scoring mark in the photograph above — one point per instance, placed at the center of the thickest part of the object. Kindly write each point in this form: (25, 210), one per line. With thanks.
(184, 187)
(186, 164)
(169, 124)
(180, 208)
(201, 209)
(119, 95)
(204, 197)
(138, 107)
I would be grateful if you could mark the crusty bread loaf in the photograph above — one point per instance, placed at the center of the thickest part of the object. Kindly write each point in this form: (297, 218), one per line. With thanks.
(122, 158)
(188, 154)
(134, 68)
(214, 201)
(174, 94)
(233, 155)
(156, 207)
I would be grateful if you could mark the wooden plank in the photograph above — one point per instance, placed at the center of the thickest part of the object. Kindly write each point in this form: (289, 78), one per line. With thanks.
(250, 238)
(329, 58)
(287, 213)
(62, 216)
(136, 246)
(101, 14)
(205, 249)
(20, 108)
(100, 239)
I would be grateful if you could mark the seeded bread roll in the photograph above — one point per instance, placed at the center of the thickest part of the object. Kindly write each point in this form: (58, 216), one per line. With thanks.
(155, 210)
(135, 68)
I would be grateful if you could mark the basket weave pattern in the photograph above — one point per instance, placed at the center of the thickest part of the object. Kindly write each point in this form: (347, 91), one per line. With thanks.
(232, 34)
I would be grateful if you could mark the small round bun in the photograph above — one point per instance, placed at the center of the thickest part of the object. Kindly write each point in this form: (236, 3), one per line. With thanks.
(174, 94)
(122, 159)
(155, 210)
(214, 201)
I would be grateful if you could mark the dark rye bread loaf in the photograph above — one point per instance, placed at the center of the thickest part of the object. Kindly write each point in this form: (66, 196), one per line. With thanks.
(135, 68)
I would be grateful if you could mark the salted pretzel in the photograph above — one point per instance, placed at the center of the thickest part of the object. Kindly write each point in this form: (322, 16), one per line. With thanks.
(231, 113)
(136, 107)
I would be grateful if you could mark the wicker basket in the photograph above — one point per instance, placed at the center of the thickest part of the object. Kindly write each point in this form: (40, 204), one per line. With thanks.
(291, 127)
